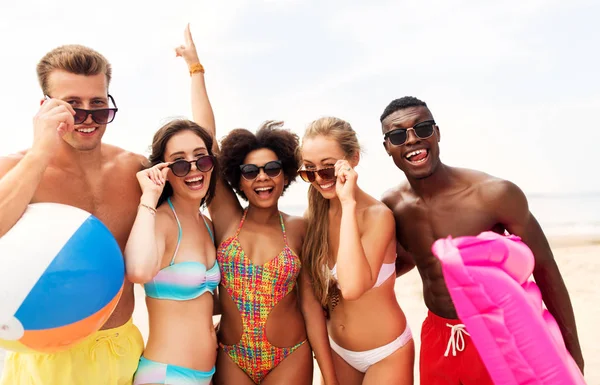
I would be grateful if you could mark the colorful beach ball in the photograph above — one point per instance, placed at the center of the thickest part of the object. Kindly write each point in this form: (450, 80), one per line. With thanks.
(61, 276)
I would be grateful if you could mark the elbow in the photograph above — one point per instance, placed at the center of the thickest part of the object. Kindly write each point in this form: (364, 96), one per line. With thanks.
(141, 276)
(351, 292)
(402, 269)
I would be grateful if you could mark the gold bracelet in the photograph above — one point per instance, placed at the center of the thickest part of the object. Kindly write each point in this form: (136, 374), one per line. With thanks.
(151, 209)
(195, 68)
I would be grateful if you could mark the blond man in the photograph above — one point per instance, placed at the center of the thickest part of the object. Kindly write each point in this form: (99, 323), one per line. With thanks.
(68, 163)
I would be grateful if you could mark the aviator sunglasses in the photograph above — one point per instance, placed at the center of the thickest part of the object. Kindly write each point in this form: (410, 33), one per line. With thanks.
(99, 115)
(422, 130)
(182, 167)
(251, 171)
(326, 173)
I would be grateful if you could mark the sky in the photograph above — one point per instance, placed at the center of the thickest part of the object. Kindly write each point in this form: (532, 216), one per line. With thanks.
(514, 85)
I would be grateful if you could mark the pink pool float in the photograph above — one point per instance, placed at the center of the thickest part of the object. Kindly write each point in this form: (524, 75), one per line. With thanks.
(490, 282)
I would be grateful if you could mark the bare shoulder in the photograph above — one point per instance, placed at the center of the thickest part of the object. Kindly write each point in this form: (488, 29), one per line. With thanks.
(377, 215)
(394, 195)
(165, 221)
(123, 159)
(497, 190)
(7, 162)
(294, 224)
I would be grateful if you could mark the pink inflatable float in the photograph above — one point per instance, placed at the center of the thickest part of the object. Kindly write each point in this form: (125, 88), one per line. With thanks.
(519, 341)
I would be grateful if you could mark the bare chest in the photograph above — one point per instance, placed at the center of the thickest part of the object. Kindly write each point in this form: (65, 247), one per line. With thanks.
(419, 225)
(113, 199)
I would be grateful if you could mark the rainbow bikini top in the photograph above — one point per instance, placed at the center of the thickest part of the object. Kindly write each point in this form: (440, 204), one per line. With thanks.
(184, 280)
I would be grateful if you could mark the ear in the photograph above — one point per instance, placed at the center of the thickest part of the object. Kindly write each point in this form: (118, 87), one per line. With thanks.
(386, 146)
(355, 159)
(286, 181)
(437, 129)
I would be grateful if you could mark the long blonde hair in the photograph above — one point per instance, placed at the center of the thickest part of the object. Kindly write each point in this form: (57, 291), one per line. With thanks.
(316, 243)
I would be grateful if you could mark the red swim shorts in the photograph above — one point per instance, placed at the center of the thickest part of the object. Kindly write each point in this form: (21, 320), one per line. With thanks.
(448, 356)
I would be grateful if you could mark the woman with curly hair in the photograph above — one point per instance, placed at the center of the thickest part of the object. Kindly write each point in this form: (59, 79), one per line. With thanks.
(264, 295)
(350, 251)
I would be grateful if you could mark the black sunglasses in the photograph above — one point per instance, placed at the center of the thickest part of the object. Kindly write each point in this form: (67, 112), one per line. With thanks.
(422, 130)
(326, 173)
(99, 115)
(251, 171)
(183, 167)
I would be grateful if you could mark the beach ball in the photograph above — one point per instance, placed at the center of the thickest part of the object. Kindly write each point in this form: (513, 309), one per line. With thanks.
(61, 276)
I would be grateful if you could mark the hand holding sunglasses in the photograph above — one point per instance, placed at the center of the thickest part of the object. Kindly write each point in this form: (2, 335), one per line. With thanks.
(53, 120)
(152, 180)
(345, 185)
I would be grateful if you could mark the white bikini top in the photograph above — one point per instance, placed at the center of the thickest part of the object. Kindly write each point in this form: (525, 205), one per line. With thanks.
(386, 271)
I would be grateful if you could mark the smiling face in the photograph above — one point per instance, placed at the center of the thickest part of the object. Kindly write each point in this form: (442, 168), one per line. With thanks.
(320, 152)
(417, 157)
(187, 145)
(263, 191)
(86, 92)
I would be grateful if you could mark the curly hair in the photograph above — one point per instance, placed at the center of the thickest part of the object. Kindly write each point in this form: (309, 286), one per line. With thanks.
(159, 145)
(401, 104)
(240, 142)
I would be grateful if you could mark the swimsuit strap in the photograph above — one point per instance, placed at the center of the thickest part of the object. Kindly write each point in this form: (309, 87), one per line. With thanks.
(208, 228)
(283, 229)
(179, 227)
(241, 223)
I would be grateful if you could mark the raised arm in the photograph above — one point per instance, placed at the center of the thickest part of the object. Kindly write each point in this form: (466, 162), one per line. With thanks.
(146, 244)
(225, 204)
(512, 210)
(358, 270)
(21, 175)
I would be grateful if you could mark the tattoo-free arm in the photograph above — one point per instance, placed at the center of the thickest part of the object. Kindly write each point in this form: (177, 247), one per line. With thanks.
(513, 212)
(316, 328)
(358, 270)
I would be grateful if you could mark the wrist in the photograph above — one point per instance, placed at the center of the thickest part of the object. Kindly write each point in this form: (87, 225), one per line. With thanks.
(195, 68)
(348, 204)
(149, 199)
(38, 157)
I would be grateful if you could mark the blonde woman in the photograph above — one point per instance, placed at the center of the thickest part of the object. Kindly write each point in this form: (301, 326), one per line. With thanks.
(350, 250)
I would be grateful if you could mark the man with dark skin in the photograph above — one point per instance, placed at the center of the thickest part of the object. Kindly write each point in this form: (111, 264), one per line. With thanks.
(440, 201)
(69, 164)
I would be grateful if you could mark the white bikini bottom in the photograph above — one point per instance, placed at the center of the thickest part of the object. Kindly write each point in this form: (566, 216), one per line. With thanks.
(361, 361)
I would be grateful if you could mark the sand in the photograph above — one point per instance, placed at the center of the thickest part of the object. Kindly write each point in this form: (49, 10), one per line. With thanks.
(579, 261)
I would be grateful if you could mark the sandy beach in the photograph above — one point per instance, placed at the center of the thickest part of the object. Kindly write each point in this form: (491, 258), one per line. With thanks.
(579, 261)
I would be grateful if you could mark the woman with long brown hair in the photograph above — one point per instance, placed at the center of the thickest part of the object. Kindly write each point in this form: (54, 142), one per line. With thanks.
(350, 251)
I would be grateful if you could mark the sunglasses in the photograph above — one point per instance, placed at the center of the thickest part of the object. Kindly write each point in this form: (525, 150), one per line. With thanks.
(422, 130)
(326, 173)
(251, 171)
(99, 115)
(183, 167)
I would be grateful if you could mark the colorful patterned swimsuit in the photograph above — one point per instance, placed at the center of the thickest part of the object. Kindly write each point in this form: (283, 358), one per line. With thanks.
(256, 289)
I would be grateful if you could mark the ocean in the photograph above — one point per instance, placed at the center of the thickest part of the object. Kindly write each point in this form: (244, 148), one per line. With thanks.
(558, 214)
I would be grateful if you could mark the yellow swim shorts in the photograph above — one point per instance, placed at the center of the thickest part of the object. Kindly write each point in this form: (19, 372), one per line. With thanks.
(107, 357)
